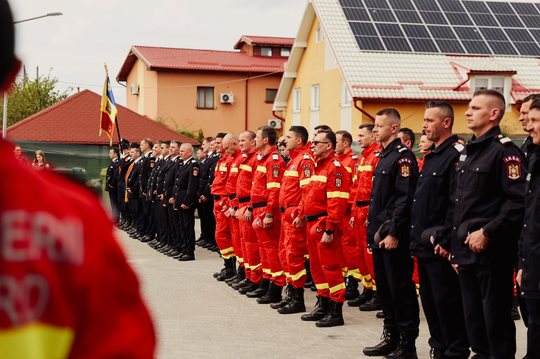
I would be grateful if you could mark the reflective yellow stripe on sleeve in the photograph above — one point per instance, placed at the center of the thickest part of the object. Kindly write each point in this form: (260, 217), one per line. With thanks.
(261, 169)
(337, 194)
(234, 170)
(273, 185)
(305, 182)
(348, 169)
(246, 168)
(365, 168)
(291, 174)
(319, 178)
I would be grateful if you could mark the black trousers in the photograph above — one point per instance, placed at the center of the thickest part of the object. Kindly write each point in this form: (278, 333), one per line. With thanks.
(208, 221)
(487, 295)
(113, 199)
(187, 230)
(145, 217)
(441, 301)
(173, 232)
(533, 328)
(162, 220)
(396, 290)
(135, 208)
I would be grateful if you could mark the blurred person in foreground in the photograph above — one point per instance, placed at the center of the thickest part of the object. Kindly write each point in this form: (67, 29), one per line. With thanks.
(66, 289)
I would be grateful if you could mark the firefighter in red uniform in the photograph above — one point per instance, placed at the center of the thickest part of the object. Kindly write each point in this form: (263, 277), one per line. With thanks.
(293, 186)
(230, 146)
(367, 165)
(244, 213)
(323, 209)
(350, 241)
(221, 198)
(265, 203)
(66, 290)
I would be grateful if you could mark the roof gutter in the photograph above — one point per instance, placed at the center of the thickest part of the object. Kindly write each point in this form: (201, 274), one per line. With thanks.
(355, 101)
(274, 113)
(463, 82)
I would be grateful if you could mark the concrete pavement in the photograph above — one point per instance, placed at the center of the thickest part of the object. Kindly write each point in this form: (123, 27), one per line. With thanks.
(198, 317)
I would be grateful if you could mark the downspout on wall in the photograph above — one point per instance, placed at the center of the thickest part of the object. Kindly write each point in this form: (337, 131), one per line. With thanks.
(355, 101)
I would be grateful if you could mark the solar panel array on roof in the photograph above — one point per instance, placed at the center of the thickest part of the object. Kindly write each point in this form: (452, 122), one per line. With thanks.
(445, 26)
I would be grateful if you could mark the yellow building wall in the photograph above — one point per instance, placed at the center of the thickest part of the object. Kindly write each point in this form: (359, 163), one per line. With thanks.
(145, 103)
(312, 71)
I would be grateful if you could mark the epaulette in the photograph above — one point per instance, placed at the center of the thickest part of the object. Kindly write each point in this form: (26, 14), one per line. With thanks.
(504, 140)
(336, 163)
(244, 155)
(354, 157)
(259, 156)
(306, 156)
(459, 147)
(401, 148)
(275, 156)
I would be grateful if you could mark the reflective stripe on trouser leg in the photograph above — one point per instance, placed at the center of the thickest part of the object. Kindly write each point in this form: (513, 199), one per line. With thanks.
(351, 249)
(296, 249)
(223, 234)
(329, 257)
(269, 243)
(314, 263)
(282, 252)
(365, 259)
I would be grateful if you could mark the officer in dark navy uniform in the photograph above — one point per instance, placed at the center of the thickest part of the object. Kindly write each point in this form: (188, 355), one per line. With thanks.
(489, 206)
(173, 229)
(206, 200)
(524, 119)
(160, 208)
(185, 199)
(388, 232)
(111, 181)
(132, 189)
(529, 249)
(148, 162)
(125, 162)
(431, 224)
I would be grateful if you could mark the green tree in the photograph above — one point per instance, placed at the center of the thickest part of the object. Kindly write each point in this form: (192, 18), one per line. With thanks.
(27, 97)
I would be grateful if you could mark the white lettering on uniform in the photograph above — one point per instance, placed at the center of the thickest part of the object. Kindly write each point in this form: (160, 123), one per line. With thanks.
(23, 300)
(34, 236)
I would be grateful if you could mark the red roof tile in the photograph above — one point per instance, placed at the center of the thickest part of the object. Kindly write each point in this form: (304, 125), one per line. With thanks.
(76, 120)
(265, 40)
(202, 60)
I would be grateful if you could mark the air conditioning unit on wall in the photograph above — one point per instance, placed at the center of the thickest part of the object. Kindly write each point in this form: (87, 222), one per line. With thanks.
(274, 123)
(134, 89)
(226, 97)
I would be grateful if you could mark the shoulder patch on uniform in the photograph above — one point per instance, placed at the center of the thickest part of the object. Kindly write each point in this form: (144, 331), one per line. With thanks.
(404, 167)
(401, 148)
(459, 147)
(195, 171)
(306, 156)
(152, 164)
(259, 156)
(377, 153)
(504, 140)
(513, 167)
(336, 163)
(275, 156)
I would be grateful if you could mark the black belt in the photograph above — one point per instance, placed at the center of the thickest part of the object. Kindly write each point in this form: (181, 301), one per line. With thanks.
(282, 209)
(244, 199)
(232, 196)
(259, 204)
(217, 197)
(315, 217)
(362, 203)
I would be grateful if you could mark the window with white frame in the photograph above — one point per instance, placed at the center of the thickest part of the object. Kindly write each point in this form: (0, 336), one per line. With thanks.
(205, 97)
(296, 99)
(315, 97)
(345, 94)
(266, 51)
(319, 34)
(494, 83)
(285, 52)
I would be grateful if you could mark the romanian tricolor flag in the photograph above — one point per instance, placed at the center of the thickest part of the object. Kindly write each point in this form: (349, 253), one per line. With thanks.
(108, 110)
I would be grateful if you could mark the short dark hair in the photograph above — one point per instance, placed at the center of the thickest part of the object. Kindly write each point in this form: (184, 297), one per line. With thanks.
(367, 126)
(251, 134)
(535, 104)
(7, 41)
(531, 97)
(116, 151)
(322, 128)
(408, 134)
(270, 133)
(346, 135)
(301, 132)
(166, 143)
(221, 135)
(148, 142)
(493, 93)
(330, 136)
(390, 112)
(447, 111)
(208, 139)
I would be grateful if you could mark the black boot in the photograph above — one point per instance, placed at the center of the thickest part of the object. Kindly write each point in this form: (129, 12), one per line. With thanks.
(334, 318)
(351, 290)
(273, 295)
(230, 270)
(240, 275)
(261, 289)
(371, 305)
(406, 348)
(309, 278)
(248, 288)
(296, 304)
(241, 284)
(217, 274)
(363, 298)
(288, 297)
(389, 343)
(321, 309)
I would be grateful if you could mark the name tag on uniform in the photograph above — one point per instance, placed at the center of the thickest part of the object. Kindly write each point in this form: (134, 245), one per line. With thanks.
(462, 158)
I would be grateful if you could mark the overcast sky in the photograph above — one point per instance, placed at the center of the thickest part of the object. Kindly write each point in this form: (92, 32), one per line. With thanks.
(74, 47)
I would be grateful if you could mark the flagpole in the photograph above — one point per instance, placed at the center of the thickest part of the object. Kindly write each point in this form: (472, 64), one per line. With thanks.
(116, 122)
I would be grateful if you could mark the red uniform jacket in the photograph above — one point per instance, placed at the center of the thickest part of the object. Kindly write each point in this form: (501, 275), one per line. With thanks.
(246, 168)
(367, 165)
(66, 288)
(267, 180)
(296, 177)
(220, 175)
(350, 161)
(328, 192)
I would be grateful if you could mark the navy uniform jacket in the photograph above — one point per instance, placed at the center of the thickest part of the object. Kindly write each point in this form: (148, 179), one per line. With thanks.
(170, 176)
(394, 182)
(431, 205)
(122, 170)
(529, 249)
(206, 175)
(527, 147)
(152, 179)
(111, 179)
(186, 183)
(146, 170)
(490, 186)
(160, 180)
(133, 179)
